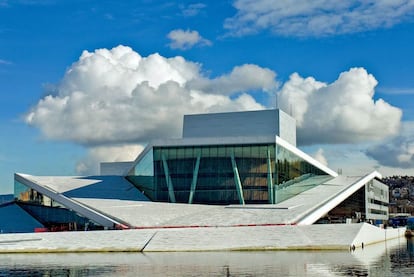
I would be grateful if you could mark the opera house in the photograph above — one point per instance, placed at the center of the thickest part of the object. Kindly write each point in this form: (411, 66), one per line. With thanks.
(229, 170)
(225, 163)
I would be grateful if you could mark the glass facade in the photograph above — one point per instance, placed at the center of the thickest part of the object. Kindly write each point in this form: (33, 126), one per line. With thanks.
(222, 174)
(369, 203)
(352, 208)
(25, 194)
(295, 175)
(50, 213)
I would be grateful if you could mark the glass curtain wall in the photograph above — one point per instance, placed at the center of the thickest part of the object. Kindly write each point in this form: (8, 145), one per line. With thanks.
(295, 175)
(142, 175)
(224, 174)
(50, 213)
(209, 174)
(25, 194)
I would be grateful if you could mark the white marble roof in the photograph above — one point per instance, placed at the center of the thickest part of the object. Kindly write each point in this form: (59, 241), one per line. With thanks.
(105, 187)
(291, 211)
(304, 208)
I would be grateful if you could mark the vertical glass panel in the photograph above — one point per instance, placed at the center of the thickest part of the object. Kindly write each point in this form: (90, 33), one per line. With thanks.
(238, 151)
(229, 150)
(143, 173)
(171, 154)
(181, 153)
(189, 152)
(221, 152)
(157, 154)
(21, 192)
(213, 151)
(145, 166)
(257, 160)
(246, 152)
(205, 152)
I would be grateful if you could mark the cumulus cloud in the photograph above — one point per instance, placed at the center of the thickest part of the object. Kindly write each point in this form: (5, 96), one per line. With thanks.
(118, 97)
(316, 18)
(90, 164)
(397, 152)
(341, 112)
(186, 39)
(112, 100)
(242, 78)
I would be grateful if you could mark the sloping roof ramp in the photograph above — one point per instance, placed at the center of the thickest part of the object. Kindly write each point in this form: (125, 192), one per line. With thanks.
(64, 189)
(336, 199)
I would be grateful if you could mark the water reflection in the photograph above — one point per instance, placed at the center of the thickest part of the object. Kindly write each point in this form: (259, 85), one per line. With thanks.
(402, 258)
(394, 258)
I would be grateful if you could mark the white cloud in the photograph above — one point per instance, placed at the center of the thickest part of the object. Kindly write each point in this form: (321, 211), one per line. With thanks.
(396, 91)
(341, 112)
(116, 96)
(397, 152)
(112, 100)
(320, 157)
(356, 160)
(317, 17)
(186, 39)
(90, 164)
(242, 78)
(192, 9)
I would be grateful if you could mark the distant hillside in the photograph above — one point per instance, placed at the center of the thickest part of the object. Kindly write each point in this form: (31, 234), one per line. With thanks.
(401, 193)
(398, 181)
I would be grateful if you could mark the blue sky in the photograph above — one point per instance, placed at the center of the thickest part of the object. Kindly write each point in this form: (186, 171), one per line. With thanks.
(344, 70)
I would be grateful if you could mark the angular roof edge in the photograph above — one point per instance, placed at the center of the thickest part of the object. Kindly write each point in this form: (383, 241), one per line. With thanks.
(305, 156)
(334, 201)
(66, 201)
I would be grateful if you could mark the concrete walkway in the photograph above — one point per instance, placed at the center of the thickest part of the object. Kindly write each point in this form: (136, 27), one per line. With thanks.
(326, 237)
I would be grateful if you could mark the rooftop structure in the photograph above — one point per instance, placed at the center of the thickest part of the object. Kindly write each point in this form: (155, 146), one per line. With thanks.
(269, 123)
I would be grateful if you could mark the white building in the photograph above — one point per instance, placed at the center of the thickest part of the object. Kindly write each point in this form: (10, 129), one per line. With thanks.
(229, 169)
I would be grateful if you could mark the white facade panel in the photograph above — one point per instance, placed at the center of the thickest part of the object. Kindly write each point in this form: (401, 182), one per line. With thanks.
(287, 128)
(241, 124)
(376, 199)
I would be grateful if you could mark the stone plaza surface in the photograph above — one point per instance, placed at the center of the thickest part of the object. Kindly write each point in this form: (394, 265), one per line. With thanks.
(289, 237)
(158, 214)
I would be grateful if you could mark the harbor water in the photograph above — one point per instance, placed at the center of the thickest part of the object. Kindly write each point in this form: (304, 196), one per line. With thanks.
(392, 258)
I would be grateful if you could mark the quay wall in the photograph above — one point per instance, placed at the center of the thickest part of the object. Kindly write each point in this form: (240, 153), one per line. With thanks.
(316, 237)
